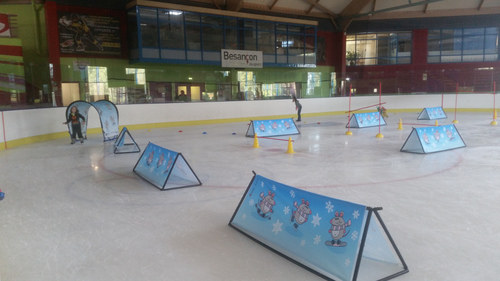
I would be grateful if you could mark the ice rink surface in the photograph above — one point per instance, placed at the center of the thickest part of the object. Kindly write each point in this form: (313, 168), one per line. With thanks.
(78, 212)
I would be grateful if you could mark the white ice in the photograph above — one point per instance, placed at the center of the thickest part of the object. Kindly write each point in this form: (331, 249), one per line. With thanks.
(78, 212)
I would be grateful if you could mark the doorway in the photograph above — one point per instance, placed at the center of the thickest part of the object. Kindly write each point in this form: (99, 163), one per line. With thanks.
(191, 90)
(70, 93)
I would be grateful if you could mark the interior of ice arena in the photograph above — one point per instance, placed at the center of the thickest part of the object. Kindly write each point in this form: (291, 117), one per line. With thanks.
(249, 140)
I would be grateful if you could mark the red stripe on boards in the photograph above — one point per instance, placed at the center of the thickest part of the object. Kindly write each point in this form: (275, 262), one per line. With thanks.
(11, 50)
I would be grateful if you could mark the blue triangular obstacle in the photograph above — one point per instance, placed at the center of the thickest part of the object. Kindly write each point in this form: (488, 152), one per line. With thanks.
(165, 169)
(433, 139)
(272, 128)
(432, 113)
(365, 120)
(335, 239)
(125, 143)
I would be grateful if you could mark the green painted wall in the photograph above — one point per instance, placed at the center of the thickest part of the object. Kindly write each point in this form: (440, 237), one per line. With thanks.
(210, 76)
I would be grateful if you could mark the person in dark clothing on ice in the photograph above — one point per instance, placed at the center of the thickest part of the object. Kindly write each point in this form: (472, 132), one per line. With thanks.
(298, 106)
(76, 127)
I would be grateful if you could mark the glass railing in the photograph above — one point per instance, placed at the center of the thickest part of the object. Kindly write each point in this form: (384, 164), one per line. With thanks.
(29, 85)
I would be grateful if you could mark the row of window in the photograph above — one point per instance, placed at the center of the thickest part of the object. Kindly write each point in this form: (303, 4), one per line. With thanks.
(443, 46)
(379, 48)
(139, 89)
(462, 45)
(169, 34)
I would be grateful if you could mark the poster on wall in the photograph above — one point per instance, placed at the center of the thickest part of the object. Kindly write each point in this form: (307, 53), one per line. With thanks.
(4, 25)
(81, 34)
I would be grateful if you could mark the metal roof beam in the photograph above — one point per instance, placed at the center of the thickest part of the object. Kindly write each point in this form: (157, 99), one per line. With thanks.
(480, 5)
(321, 8)
(311, 7)
(390, 9)
(234, 5)
(273, 4)
(354, 7)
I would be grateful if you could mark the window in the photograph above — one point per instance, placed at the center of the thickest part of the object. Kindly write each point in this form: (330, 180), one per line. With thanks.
(379, 48)
(149, 28)
(249, 35)
(171, 29)
(193, 33)
(313, 81)
(266, 39)
(139, 75)
(278, 90)
(247, 86)
(97, 82)
(462, 45)
(212, 32)
(167, 35)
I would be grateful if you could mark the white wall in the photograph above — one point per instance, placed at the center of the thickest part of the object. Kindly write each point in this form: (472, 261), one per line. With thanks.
(28, 123)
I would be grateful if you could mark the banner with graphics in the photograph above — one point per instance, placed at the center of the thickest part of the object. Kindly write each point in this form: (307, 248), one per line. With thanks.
(81, 34)
(432, 113)
(165, 169)
(323, 234)
(433, 139)
(108, 115)
(363, 120)
(272, 128)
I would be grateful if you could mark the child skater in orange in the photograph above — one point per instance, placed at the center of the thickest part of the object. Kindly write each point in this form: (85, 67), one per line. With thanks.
(382, 111)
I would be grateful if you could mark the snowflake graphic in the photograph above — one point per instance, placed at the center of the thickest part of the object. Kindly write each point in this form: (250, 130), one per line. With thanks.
(317, 239)
(316, 220)
(347, 262)
(329, 206)
(292, 193)
(286, 210)
(277, 227)
(354, 235)
(244, 216)
(251, 202)
(303, 243)
(356, 214)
